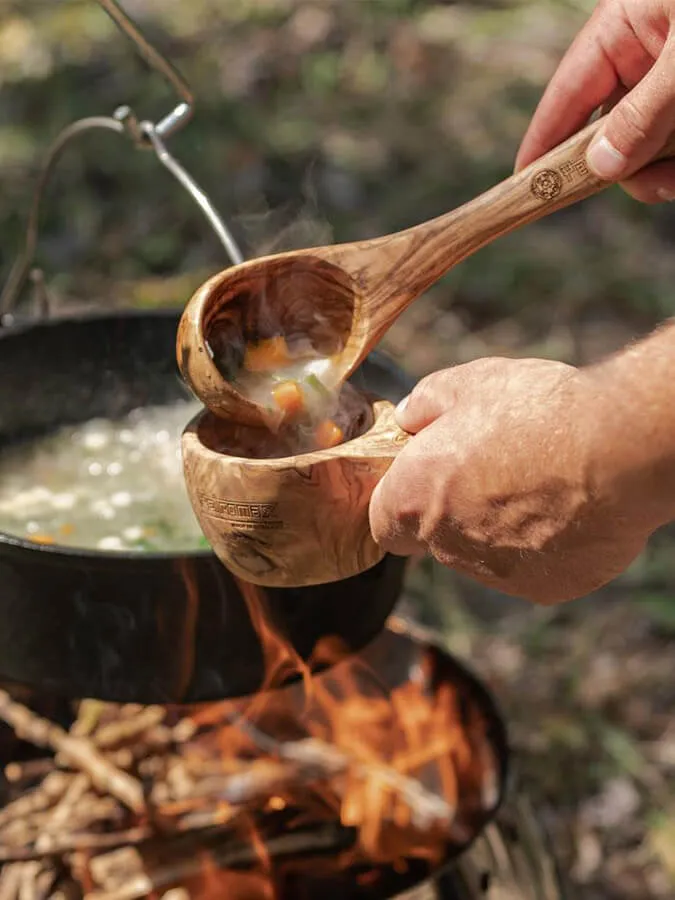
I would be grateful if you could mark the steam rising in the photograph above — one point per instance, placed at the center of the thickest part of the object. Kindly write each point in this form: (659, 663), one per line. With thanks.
(350, 410)
(276, 344)
(268, 231)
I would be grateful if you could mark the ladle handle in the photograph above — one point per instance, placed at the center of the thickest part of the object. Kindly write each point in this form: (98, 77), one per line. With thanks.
(425, 253)
(385, 440)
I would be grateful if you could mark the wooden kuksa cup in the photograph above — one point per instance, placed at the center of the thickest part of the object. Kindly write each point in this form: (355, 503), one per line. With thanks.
(293, 521)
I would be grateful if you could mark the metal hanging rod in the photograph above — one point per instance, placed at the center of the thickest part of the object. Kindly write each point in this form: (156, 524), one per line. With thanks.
(182, 113)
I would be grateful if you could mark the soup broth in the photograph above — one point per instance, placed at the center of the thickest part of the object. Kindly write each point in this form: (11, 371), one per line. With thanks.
(351, 416)
(104, 485)
(295, 387)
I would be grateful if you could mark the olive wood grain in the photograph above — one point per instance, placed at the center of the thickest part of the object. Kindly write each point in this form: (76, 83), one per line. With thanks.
(344, 297)
(293, 521)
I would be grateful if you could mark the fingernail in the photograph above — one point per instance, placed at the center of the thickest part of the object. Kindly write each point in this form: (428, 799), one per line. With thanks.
(605, 160)
(666, 194)
(401, 408)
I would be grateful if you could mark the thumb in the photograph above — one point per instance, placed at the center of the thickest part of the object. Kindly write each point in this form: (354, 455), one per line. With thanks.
(640, 124)
(429, 399)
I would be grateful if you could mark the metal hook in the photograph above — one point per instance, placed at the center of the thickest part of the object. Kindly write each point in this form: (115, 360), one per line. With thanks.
(183, 111)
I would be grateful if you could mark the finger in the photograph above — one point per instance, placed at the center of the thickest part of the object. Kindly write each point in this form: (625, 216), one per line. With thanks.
(639, 126)
(429, 399)
(605, 56)
(617, 94)
(408, 493)
(393, 531)
(440, 392)
(654, 184)
(584, 79)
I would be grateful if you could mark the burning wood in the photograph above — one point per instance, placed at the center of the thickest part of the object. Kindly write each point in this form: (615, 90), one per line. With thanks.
(133, 801)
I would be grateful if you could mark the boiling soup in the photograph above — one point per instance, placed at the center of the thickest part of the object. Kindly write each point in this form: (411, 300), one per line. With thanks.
(103, 485)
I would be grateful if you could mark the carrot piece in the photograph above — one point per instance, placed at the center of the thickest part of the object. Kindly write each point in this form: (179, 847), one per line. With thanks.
(267, 355)
(66, 529)
(289, 398)
(328, 434)
(41, 538)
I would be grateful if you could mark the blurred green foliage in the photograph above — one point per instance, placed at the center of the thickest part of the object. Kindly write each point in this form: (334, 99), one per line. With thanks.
(315, 119)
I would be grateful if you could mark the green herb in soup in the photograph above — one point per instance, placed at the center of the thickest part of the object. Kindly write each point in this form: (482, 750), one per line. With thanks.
(104, 485)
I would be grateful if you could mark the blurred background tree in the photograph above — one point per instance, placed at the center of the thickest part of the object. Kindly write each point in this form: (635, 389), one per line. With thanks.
(322, 120)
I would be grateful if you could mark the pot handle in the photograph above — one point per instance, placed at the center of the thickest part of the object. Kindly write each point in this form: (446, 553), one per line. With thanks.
(144, 135)
(21, 270)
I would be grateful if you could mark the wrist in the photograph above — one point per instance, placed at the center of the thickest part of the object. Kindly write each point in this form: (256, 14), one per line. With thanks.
(631, 410)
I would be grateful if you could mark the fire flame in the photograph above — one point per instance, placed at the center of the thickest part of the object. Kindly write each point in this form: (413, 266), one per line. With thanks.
(401, 770)
(366, 772)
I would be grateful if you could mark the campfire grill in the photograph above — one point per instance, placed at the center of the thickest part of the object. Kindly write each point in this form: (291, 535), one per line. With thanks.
(498, 853)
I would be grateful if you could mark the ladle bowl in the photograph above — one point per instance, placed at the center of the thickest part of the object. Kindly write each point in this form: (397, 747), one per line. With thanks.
(295, 294)
(344, 297)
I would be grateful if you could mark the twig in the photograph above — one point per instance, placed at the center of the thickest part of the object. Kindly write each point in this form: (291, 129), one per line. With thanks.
(88, 716)
(82, 841)
(77, 788)
(79, 752)
(124, 730)
(202, 820)
(28, 885)
(109, 870)
(330, 838)
(28, 771)
(42, 797)
(326, 761)
(177, 893)
(10, 880)
(46, 879)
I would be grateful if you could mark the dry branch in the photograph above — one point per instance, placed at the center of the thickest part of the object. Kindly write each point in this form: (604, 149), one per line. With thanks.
(69, 843)
(78, 751)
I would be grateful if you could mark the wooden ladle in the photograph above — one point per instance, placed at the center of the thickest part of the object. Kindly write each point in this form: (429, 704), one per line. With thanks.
(344, 297)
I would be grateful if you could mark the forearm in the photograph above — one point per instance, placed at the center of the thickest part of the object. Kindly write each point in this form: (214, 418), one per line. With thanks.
(634, 394)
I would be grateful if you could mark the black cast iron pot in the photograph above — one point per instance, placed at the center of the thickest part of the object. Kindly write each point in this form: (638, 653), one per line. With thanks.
(151, 627)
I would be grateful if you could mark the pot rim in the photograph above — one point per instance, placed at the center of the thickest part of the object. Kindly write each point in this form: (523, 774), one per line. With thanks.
(18, 327)
(190, 437)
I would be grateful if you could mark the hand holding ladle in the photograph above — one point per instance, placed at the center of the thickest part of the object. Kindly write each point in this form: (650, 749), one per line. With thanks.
(344, 297)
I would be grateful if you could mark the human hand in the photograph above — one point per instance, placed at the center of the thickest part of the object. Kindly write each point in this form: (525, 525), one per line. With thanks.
(624, 58)
(506, 480)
